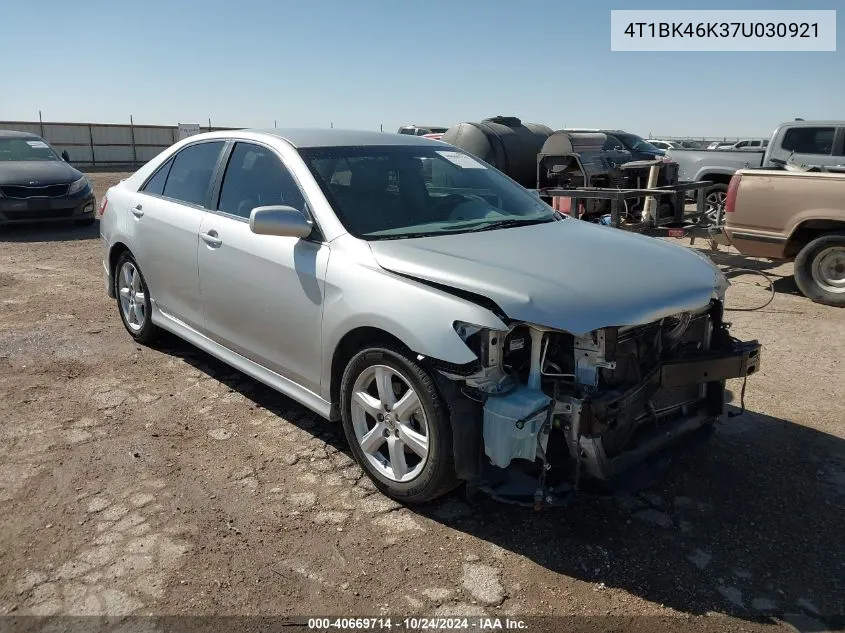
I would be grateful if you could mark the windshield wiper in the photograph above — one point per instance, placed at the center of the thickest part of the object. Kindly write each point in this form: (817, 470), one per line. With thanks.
(501, 224)
(498, 224)
(402, 236)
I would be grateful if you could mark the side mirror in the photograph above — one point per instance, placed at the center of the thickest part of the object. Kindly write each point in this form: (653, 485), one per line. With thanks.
(282, 221)
(65, 156)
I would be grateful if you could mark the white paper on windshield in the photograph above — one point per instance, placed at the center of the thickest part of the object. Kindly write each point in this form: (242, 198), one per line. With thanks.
(462, 160)
(37, 144)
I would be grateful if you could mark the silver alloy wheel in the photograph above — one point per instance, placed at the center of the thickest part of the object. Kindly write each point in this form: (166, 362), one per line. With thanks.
(132, 299)
(828, 269)
(714, 203)
(390, 423)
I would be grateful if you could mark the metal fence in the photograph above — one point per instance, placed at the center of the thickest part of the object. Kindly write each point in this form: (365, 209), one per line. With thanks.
(117, 144)
(104, 144)
(700, 139)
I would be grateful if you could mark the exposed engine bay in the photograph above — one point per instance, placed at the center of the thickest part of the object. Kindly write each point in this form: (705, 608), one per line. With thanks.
(560, 407)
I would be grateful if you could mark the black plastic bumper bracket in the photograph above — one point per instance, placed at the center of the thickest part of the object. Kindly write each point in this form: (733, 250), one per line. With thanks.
(739, 362)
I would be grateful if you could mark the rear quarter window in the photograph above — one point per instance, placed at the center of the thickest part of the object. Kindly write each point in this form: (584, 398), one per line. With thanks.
(155, 185)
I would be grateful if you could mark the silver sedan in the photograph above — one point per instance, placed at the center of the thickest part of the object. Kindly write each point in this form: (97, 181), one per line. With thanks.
(457, 325)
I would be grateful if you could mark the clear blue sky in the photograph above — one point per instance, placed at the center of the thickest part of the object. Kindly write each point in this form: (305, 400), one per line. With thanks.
(371, 62)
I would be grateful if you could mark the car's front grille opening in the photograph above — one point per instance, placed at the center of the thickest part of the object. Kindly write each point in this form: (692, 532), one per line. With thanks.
(46, 214)
(21, 192)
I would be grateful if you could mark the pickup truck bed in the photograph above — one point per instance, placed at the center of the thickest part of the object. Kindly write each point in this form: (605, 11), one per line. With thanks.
(694, 162)
(788, 215)
(806, 142)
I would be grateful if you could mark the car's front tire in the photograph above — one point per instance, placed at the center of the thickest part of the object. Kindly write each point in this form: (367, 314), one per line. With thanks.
(714, 202)
(397, 425)
(820, 269)
(133, 299)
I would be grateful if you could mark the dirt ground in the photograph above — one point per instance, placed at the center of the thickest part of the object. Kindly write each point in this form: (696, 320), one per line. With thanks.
(139, 480)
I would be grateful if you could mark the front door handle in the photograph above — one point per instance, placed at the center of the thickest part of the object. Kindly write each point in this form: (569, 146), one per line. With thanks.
(137, 211)
(211, 239)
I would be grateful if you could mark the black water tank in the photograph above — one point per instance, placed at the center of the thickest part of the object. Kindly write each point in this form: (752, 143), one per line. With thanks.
(504, 142)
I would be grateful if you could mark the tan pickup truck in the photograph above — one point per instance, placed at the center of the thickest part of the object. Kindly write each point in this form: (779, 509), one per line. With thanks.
(789, 215)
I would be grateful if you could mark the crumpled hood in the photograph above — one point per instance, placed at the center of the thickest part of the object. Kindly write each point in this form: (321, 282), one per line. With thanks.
(34, 173)
(569, 275)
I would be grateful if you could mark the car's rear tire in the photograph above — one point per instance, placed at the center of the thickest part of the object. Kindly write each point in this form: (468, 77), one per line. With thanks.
(397, 425)
(133, 299)
(820, 269)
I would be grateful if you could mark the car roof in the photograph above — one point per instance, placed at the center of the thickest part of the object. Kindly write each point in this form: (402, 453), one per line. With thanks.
(17, 134)
(306, 137)
(812, 123)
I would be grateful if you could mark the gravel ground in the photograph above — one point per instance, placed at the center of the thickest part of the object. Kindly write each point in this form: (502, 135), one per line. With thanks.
(141, 480)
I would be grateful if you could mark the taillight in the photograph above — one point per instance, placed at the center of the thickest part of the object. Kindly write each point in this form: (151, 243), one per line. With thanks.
(730, 200)
(103, 205)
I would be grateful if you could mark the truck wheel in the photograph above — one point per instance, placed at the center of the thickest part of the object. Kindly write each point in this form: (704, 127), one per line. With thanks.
(714, 202)
(820, 269)
(397, 425)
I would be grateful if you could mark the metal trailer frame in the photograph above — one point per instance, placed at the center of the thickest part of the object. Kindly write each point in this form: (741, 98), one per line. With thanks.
(680, 224)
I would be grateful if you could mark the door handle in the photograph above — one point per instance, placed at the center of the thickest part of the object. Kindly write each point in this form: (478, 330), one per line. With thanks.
(211, 239)
(137, 211)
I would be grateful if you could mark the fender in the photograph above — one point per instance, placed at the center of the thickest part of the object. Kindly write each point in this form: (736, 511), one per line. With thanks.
(708, 173)
(421, 316)
(797, 222)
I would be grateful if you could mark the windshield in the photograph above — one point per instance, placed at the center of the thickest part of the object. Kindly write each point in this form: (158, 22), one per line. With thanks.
(26, 149)
(390, 192)
(635, 143)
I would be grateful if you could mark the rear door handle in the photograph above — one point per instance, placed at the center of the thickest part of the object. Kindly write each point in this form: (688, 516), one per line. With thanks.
(211, 239)
(137, 211)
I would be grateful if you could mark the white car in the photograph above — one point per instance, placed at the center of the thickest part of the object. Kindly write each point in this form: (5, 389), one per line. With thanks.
(665, 144)
(446, 320)
(750, 143)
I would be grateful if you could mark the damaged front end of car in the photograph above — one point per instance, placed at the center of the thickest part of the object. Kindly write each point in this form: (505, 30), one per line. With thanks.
(543, 409)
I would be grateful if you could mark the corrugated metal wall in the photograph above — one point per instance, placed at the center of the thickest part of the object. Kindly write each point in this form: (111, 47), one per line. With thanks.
(104, 144)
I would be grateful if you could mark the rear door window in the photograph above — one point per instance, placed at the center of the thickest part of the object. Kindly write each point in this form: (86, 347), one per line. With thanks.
(191, 173)
(809, 140)
(255, 177)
